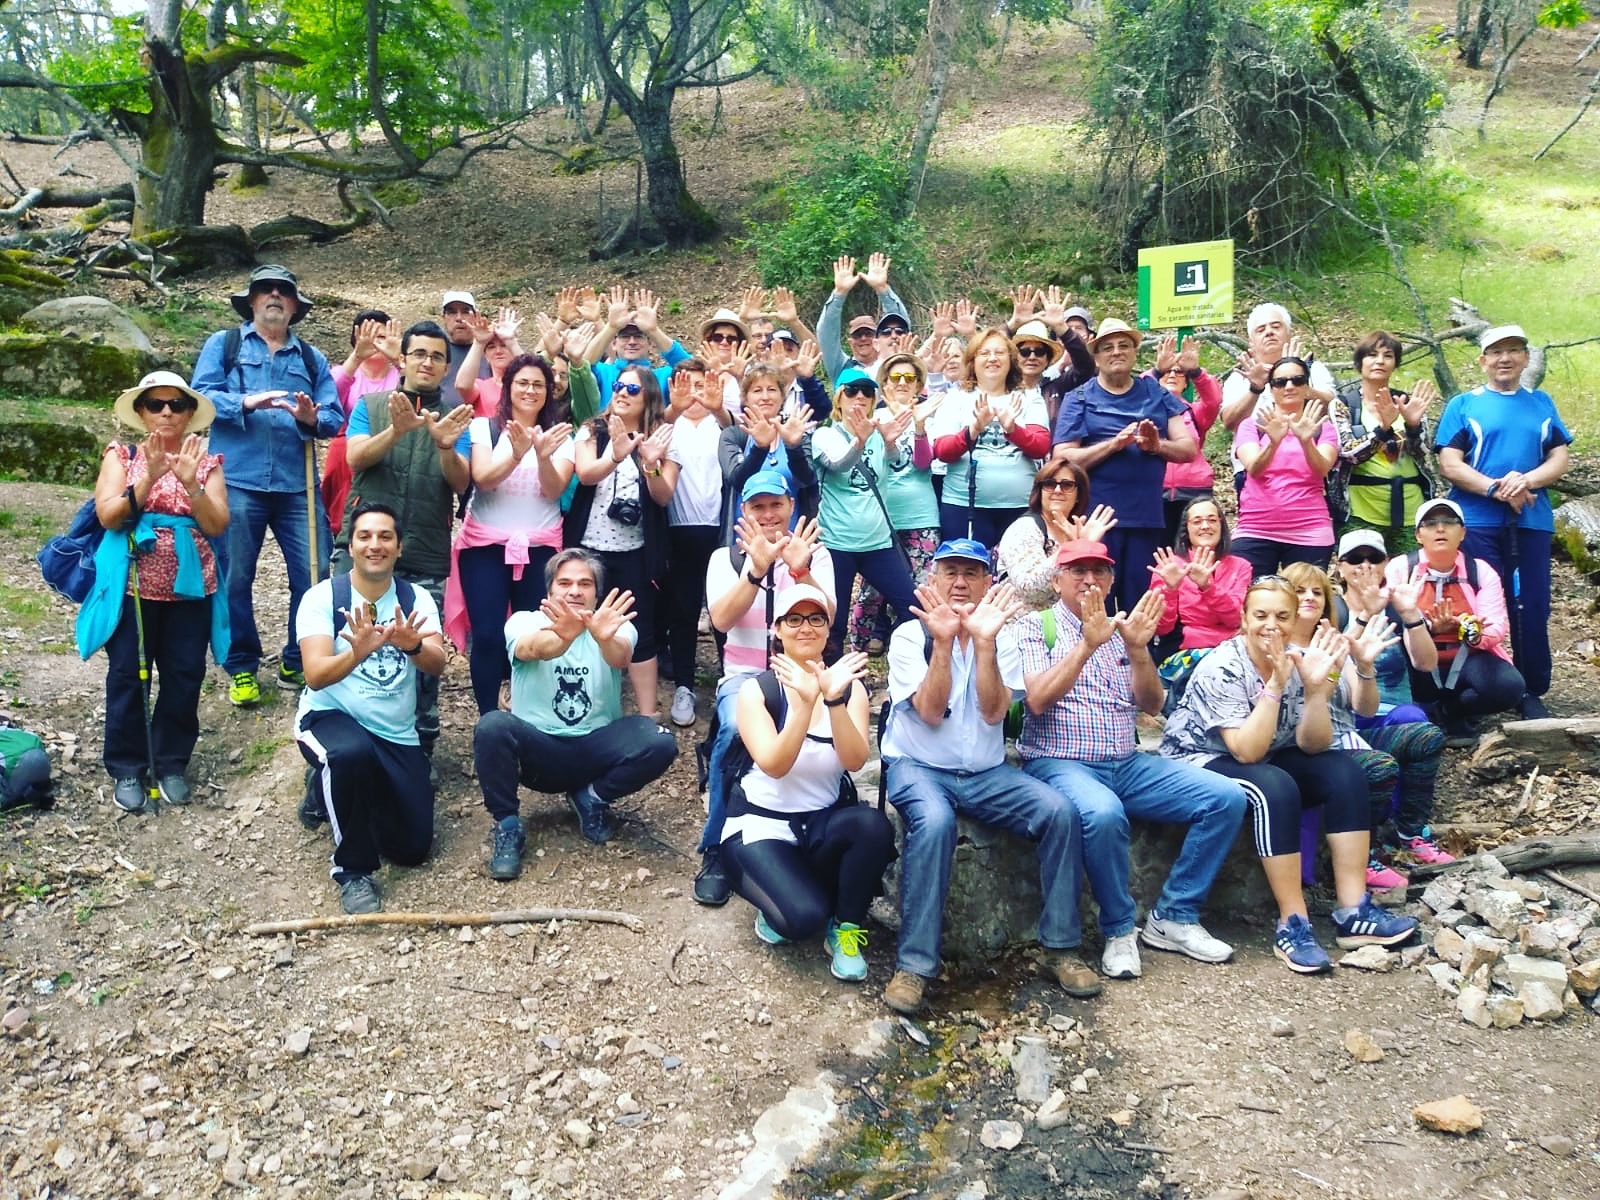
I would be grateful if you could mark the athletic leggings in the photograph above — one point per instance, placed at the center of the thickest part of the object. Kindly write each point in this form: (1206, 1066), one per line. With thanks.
(868, 618)
(835, 871)
(1416, 746)
(1289, 780)
(490, 594)
(377, 792)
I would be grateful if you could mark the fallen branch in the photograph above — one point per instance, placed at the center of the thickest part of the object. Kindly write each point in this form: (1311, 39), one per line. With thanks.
(1529, 855)
(509, 916)
(40, 197)
(672, 960)
(1571, 885)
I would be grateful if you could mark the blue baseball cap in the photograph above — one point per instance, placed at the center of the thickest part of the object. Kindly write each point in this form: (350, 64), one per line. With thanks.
(968, 548)
(765, 483)
(854, 377)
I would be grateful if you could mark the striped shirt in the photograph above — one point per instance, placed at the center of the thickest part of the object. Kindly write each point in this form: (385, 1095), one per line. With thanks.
(1093, 722)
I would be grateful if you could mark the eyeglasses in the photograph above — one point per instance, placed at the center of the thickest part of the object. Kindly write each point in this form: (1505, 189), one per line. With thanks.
(795, 620)
(1439, 523)
(1098, 570)
(722, 339)
(427, 356)
(1290, 381)
(181, 405)
(1368, 559)
(857, 390)
(633, 389)
(1033, 350)
(901, 377)
(861, 333)
(1061, 484)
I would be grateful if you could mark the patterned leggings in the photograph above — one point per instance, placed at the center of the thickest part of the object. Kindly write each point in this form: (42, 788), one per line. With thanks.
(1408, 754)
(868, 607)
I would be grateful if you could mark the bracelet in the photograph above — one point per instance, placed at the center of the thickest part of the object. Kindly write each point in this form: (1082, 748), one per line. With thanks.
(844, 699)
(1256, 391)
(1360, 674)
(1275, 697)
(752, 579)
(1417, 624)
(1333, 676)
(1363, 620)
(413, 652)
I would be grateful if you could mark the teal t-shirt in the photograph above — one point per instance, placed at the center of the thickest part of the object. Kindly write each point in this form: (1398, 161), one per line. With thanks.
(850, 515)
(575, 694)
(908, 491)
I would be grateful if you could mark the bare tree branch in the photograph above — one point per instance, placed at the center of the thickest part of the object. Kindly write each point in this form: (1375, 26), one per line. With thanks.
(16, 77)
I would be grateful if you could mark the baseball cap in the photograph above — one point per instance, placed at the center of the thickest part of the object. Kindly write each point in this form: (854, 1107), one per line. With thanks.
(863, 322)
(968, 548)
(1082, 313)
(1083, 550)
(765, 483)
(797, 594)
(893, 321)
(1358, 539)
(851, 377)
(784, 335)
(1501, 333)
(458, 298)
(1432, 506)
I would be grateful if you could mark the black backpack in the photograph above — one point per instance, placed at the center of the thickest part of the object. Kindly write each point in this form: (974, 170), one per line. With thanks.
(405, 598)
(230, 354)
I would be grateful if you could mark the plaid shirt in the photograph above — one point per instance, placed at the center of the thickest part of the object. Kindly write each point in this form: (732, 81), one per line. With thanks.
(1093, 722)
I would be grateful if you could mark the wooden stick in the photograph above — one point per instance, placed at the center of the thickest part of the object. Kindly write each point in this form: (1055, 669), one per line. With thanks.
(1527, 856)
(510, 916)
(1554, 876)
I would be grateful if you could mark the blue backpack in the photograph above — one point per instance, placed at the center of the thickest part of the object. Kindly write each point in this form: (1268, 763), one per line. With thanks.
(67, 560)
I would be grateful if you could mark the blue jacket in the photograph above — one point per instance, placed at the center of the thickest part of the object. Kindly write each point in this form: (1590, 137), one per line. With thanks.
(102, 607)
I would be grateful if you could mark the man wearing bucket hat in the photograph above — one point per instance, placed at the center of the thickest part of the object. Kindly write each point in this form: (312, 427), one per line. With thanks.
(274, 395)
(1501, 446)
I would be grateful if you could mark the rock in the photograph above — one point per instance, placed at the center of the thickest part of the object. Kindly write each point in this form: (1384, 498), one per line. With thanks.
(221, 973)
(283, 953)
(1539, 1003)
(233, 1173)
(419, 1167)
(1122, 1118)
(465, 934)
(1481, 950)
(1557, 1144)
(1449, 946)
(1001, 1135)
(578, 1133)
(1457, 1115)
(976, 1190)
(1413, 956)
(1361, 1046)
(1526, 888)
(1504, 1011)
(1229, 1194)
(1457, 919)
(1487, 864)
(1538, 939)
(1502, 911)
(1445, 977)
(1585, 978)
(91, 319)
(1516, 970)
(1053, 1113)
(1473, 1005)
(1368, 958)
(14, 1021)
(1278, 1027)
(1031, 1063)
(1442, 893)
(626, 1104)
(1079, 1085)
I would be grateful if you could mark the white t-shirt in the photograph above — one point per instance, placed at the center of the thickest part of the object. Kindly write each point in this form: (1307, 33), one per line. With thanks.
(517, 502)
(624, 483)
(697, 500)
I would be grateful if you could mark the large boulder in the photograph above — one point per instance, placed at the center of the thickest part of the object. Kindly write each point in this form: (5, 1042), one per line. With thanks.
(91, 319)
(52, 365)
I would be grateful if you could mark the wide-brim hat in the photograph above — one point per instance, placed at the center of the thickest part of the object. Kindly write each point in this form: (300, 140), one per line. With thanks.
(204, 411)
(911, 360)
(1110, 326)
(1038, 331)
(724, 316)
(277, 274)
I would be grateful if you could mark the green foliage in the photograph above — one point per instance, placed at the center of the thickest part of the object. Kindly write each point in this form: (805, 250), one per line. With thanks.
(1563, 14)
(854, 199)
(106, 73)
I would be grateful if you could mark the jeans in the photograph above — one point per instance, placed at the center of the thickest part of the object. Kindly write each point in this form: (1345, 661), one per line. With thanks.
(884, 569)
(928, 801)
(716, 792)
(1527, 594)
(1133, 550)
(1151, 788)
(615, 761)
(987, 525)
(250, 515)
(488, 589)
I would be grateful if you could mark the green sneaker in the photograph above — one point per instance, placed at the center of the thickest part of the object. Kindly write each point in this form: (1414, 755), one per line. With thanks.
(845, 942)
(244, 691)
(290, 680)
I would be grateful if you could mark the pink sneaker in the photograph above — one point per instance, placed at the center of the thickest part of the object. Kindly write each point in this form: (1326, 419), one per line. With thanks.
(1424, 849)
(1381, 877)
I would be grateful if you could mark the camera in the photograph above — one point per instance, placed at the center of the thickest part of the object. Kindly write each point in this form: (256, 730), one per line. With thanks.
(625, 510)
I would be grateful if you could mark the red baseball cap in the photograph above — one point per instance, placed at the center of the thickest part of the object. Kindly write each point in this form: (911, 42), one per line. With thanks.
(1083, 550)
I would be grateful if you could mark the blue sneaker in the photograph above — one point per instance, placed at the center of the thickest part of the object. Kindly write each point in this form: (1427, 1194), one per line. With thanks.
(844, 942)
(1297, 946)
(1370, 924)
(767, 933)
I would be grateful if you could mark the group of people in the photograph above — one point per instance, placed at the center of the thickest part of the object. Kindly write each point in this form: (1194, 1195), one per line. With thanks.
(1018, 516)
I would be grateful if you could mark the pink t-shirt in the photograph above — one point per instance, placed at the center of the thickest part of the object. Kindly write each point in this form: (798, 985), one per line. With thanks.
(1286, 503)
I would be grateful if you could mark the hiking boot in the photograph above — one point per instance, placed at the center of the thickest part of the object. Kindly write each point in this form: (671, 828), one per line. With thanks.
(244, 691)
(313, 808)
(289, 679)
(1071, 973)
(175, 789)
(1531, 708)
(594, 815)
(767, 933)
(359, 894)
(683, 707)
(1184, 937)
(1370, 924)
(1297, 946)
(505, 860)
(1422, 847)
(1461, 733)
(1381, 876)
(711, 881)
(904, 992)
(1121, 957)
(128, 794)
(845, 942)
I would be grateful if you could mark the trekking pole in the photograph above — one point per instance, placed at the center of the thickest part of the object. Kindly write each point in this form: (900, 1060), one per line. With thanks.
(152, 785)
(1513, 580)
(311, 507)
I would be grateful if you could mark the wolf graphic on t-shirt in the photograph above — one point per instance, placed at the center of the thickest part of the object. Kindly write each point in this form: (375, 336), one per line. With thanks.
(571, 703)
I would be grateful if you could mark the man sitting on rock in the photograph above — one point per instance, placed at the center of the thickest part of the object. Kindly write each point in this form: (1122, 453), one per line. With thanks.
(363, 638)
(565, 731)
(1088, 675)
(952, 678)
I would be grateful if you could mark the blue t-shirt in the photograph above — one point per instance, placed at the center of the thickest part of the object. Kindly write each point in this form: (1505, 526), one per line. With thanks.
(1500, 432)
(361, 426)
(1130, 480)
(381, 693)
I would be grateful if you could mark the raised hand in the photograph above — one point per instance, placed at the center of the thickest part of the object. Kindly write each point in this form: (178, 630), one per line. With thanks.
(1295, 347)
(877, 272)
(653, 449)
(1097, 626)
(1139, 626)
(805, 362)
(1442, 619)
(1407, 599)
(967, 314)
(1147, 437)
(482, 329)
(406, 630)
(1308, 421)
(925, 409)
(805, 685)
(1274, 423)
(646, 310)
(752, 304)
(1283, 665)
(1009, 411)
(680, 393)
(403, 415)
(1253, 369)
(982, 415)
(1375, 637)
(618, 309)
(1166, 353)
(567, 306)
(1202, 566)
(507, 324)
(1384, 406)
(759, 553)
(1024, 299)
(577, 341)
(185, 464)
(762, 431)
(943, 317)
(999, 605)
(1189, 355)
(521, 438)
(784, 307)
(546, 442)
(1053, 311)
(1363, 587)
(1093, 526)
(798, 548)
(362, 632)
(610, 615)
(891, 425)
(566, 621)
(1416, 405)
(591, 306)
(1318, 661)
(446, 431)
(796, 425)
(623, 440)
(368, 334)
(837, 680)
(943, 620)
(549, 334)
(1169, 568)
(844, 274)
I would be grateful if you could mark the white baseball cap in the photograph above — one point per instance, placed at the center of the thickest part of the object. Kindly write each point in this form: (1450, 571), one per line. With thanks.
(1501, 333)
(458, 298)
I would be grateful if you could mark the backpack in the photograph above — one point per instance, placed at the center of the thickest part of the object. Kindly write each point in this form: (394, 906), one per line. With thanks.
(230, 354)
(738, 760)
(405, 598)
(1414, 557)
(67, 560)
(24, 769)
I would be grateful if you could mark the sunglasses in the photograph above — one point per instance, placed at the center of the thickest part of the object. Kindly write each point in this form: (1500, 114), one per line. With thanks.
(795, 620)
(1032, 350)
(1290, 381)
(182, 405)
(1065, 484)
(857, 390)
(893, 331)
(856, 334)
(1370, 558)
(722, 339)
(633, 389)
(1439, 523)
(901, 377)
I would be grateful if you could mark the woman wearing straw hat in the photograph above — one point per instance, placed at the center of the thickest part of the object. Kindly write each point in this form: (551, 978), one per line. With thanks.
(167, 498)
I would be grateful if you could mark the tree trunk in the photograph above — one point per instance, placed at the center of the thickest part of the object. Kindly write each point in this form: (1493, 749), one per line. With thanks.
(680, 217)
(941, 39)
(177, 141)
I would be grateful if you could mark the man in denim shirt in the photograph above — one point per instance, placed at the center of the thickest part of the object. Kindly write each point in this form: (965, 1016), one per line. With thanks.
(273, 396)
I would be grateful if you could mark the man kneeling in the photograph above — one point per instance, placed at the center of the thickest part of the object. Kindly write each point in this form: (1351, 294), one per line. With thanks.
(363, 637)
(565, 731)
(952, 677)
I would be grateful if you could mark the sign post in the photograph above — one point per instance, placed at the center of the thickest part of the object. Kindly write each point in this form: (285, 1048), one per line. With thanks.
(1184, 286)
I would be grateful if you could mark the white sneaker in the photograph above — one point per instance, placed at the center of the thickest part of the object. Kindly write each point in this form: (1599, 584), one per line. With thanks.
(683, 707)
(1121, 958)
(1191, 939)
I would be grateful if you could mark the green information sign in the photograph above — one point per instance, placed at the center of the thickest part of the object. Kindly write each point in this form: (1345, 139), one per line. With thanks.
(1185, 286)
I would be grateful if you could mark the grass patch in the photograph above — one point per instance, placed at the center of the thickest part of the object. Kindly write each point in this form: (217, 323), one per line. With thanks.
(259, 753)
(25, 608)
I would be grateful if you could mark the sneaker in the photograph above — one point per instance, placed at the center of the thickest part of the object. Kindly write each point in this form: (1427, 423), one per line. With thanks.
(1531, 708)
(767, 933)
(128, 794)
(174, 789)
(1381, 876)
(594, 815)
(1369, 924)
(1296, 944)
(1422, 847)
(313, 808)
(1071, 973)
(845, 942)
(1184, 937)
(289, 679)
(244, 691)
(359, 894)
(683, 707)
(1121, 957)
(904, 992)
(505, 860)
(1461, 733)
(711, 886)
